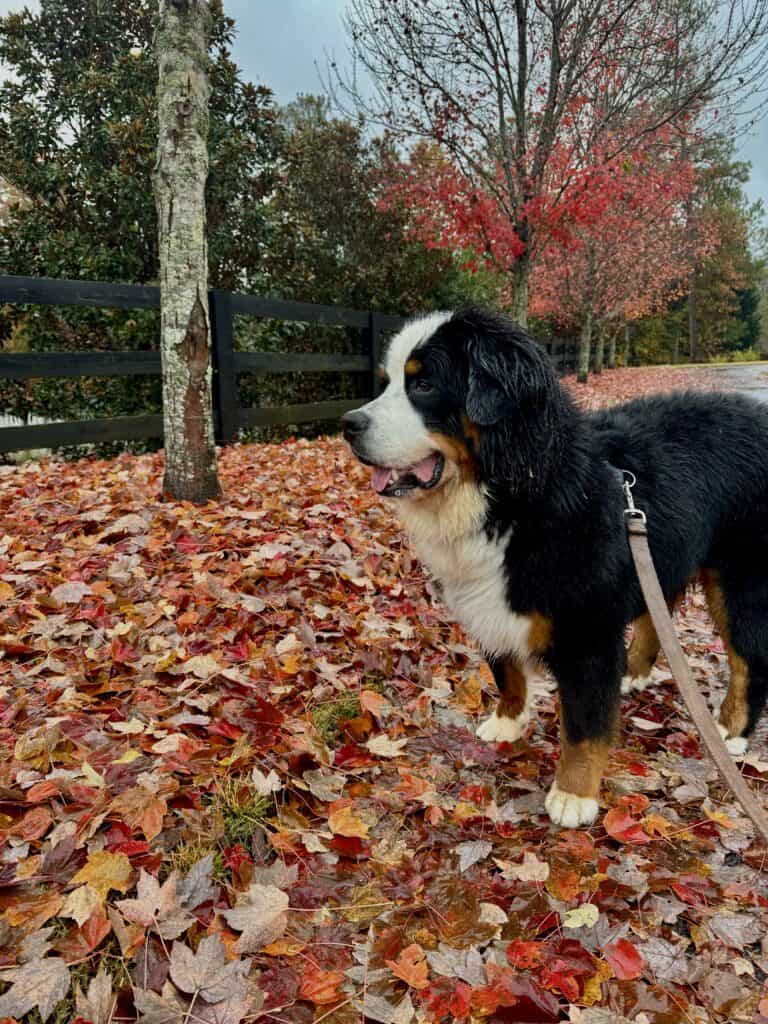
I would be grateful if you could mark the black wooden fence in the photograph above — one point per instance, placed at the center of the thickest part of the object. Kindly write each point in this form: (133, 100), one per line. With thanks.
(229, 416)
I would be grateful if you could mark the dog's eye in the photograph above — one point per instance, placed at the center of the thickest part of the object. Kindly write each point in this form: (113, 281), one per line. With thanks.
(421, 386)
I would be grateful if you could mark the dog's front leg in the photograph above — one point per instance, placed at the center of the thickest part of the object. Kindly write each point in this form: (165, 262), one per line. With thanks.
(508, 721)
(589, 681)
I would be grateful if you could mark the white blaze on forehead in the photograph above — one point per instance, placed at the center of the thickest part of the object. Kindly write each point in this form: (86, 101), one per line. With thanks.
(402, 346)
(397, 436)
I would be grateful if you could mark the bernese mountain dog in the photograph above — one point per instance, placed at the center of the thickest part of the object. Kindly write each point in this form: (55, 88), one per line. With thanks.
(513, 500)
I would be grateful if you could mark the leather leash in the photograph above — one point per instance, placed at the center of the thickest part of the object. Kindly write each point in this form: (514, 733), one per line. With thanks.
(697, 706)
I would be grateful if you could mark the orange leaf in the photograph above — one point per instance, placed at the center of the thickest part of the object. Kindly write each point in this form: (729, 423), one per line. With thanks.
(319, 986)
(142, 809)
(411, 966)
(343, 821)
(31, 912)
(375, 704)
(42, 791)
(34, 824)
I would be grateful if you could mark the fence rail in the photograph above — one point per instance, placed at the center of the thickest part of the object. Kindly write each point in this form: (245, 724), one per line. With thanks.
(229, 415)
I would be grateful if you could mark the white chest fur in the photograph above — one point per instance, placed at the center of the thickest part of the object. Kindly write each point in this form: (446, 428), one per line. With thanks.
(471, 572)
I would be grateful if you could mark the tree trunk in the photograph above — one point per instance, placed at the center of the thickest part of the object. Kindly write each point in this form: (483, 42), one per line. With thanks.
(676, 346)
(627, 345)
(693, 325)
(180, 178)
(600, 348)
(585, 346)
(521, 273)
(611, 361)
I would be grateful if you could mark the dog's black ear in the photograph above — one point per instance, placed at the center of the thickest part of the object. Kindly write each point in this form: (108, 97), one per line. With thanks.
(488, 400)
(508, 373)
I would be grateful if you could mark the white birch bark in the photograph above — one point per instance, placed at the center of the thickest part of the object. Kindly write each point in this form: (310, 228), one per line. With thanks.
(180, 178)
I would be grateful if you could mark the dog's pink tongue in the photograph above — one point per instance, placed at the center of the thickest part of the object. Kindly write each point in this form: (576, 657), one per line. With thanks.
(424, 470)
(380, 477)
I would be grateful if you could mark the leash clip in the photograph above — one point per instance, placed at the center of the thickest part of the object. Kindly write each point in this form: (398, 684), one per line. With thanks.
(631, 511)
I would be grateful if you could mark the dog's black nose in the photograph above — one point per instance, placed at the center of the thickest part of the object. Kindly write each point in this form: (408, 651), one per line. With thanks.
(354, 423)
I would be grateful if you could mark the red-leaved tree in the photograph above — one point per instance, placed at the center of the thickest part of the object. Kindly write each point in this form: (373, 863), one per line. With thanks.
(528, 96)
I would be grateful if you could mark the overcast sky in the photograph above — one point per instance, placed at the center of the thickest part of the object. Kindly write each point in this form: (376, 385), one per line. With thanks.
(280, 42)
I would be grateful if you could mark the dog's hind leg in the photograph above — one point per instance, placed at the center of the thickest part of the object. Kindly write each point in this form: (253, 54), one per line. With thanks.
(589, 683)
(643, 652)
(508, 721)
(738, 604)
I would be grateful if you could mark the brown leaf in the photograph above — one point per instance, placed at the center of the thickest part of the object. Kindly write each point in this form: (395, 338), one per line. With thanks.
(260, 916)
(140, 808)
(156, 906)
(155, 1009)
(206, 971)
(98, 1005)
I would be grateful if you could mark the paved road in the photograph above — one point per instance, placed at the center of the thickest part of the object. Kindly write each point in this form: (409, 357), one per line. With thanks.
(751, 378)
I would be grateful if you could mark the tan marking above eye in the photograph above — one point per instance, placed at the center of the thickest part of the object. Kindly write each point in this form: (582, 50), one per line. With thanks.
(412, 367)
(382, 374)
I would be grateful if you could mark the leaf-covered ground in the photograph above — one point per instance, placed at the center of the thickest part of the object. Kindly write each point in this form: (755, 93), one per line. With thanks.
(241, 781)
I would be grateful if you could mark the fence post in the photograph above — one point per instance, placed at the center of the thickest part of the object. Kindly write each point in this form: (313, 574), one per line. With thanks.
(373, 336)
(226, 398)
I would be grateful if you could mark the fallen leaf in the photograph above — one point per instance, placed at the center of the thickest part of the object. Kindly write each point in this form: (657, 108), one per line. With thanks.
(624, 958)
(343, 821)
(383, 746)
(265, 785)
(324, 785)
(260, 916)
(140, 808)
(156, 906)
(71, 593)
(319, 986)
(81, 903)
(98, 1005)
(585, 916)
(104, 871)
(197, 886)
(206, 972)
(40, 985)
(472, 852)
(155, 1009)
(411, 966)
(531, 869)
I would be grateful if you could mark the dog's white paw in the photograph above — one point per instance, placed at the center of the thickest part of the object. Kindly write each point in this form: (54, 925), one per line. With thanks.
(502, 729)
(636, 684)
(569, 810)
(737, 745)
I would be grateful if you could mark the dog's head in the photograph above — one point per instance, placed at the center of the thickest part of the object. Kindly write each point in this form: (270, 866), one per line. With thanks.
(469, 397)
